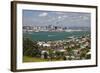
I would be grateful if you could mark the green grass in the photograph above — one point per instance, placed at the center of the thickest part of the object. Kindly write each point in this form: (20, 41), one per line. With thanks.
(35, 59)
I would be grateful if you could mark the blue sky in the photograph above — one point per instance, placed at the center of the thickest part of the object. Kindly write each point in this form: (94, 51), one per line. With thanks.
(56, 18)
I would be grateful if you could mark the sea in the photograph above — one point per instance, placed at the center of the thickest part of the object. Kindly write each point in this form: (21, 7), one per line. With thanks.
(54, 36)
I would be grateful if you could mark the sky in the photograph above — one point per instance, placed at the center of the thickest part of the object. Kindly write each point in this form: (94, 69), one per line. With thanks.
(56, 18)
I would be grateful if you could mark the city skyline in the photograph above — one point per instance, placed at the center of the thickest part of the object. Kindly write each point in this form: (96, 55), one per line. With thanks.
(56, 18)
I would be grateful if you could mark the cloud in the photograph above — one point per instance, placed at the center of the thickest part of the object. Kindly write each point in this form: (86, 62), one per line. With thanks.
(43, 14)
(59, 17)
(51, 19)
(65, 16)
(85, 18)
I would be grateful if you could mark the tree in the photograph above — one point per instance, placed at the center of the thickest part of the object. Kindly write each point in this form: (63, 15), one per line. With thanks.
(88, 56)
(30, 48)
(51, 54)
(70, 52)
(45, 55)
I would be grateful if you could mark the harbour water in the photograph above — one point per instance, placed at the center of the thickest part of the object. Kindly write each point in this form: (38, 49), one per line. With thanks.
(50, 36)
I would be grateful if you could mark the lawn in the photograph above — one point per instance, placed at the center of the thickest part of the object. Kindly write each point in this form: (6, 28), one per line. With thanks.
(35, 59)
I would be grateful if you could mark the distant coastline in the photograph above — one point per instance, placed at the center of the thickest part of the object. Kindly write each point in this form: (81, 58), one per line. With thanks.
(51, 28)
